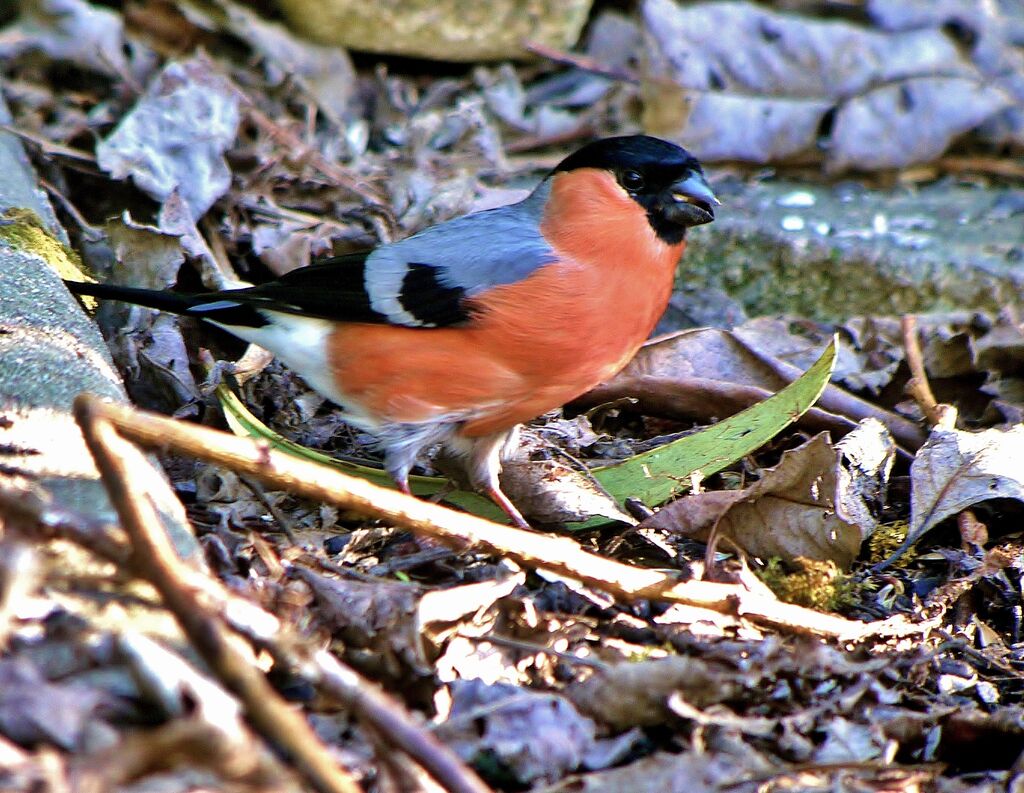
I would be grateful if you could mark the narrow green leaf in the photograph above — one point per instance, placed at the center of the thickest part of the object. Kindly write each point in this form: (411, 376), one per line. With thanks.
(653, 477)
(656, 476)
(245, 424)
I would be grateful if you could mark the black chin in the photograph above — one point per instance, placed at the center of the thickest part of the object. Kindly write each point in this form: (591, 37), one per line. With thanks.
(670, 221)
(686, 214)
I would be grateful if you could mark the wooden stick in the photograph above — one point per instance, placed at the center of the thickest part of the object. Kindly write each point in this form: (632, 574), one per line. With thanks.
(918, 386)
(558, 554)
(227, 655)
(322, 669)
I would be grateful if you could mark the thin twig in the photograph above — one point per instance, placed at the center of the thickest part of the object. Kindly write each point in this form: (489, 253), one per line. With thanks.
(284, 523)
(991, 166)
(558, 554)
(582, 62)
(48, 146)
(365, 698)
(918, 387)
(154, 557)
(298, 149)
(376, 707)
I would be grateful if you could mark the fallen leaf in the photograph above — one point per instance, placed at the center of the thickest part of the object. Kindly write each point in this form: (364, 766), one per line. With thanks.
(379, 617)
(147, 346)
(325, 73)
(637, 694)
(535, 736)
(817, 503)
(990, 31)
(68, 30)
(849, 742)
(955, 470)
(175, 137)
(763, 93)
(872, 131)
(670, 772)
(552, 492)
(33, 710)
(656, 475)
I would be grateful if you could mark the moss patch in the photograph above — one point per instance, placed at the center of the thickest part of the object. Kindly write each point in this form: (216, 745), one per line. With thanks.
(25, 231)
(807, 582)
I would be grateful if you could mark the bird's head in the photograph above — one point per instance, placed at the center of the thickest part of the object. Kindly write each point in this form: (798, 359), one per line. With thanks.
(663, 178)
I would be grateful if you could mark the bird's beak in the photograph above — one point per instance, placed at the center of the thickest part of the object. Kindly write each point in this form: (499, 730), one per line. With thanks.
(690, 202)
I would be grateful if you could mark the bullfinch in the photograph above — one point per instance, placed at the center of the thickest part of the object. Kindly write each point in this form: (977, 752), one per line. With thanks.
(456, 335)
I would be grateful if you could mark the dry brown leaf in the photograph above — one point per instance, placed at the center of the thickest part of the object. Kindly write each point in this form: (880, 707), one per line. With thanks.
(637, 694)
(817, 503)
(33, 710)
(955, 470)
(689, 772)
(379, 617)
(762, 93)
(535, 736)
(551, 491)
(174, 139)
(71, 30)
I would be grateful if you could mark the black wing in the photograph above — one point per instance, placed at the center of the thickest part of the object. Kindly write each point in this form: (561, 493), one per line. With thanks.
(332, 288)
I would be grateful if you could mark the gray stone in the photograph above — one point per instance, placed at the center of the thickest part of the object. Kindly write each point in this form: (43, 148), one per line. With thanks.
(50, 352)
(449, 30)
(832, 252)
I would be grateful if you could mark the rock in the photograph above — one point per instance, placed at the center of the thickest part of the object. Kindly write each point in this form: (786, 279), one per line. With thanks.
(832, 252)
(49, 353)
(447, 30)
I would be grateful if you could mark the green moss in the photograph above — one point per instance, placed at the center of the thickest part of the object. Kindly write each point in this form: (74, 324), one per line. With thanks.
(810, 583)
(25, 231)
(886, 539)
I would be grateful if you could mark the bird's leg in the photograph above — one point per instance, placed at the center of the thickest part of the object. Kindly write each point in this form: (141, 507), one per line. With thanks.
(398, 467)
(499, 498)
(484, 465)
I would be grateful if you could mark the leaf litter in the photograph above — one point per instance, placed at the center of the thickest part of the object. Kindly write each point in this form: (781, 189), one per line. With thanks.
(537, 680)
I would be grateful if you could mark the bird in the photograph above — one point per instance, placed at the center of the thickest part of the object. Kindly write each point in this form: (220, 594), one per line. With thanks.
(455, 336)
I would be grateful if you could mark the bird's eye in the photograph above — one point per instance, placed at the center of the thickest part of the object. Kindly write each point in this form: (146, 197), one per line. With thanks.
(632, 181)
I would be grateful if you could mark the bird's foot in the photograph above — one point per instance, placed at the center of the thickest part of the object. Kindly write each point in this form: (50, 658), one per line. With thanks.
(507, 507)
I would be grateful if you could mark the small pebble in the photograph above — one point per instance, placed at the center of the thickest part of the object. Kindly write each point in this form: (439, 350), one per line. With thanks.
(793, 223)
(987, 693)
(953, 684)
(800, 198)
(880, 223)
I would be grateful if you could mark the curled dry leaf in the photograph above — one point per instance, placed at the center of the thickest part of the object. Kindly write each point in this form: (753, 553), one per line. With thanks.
(378, 617)
(955, 470)
(535, 736)
(551, 491)
(174, 139)
(637, 694)
(766, 91)
(816, 503)
(68, 30)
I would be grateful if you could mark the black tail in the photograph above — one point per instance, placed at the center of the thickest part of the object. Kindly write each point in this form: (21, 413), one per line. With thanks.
(212, 306)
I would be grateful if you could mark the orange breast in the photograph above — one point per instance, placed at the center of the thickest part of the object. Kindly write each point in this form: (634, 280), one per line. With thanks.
(535, 344)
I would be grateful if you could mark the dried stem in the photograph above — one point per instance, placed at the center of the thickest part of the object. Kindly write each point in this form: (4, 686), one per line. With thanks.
(227, 655)
(917, 387)
(459, 530)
